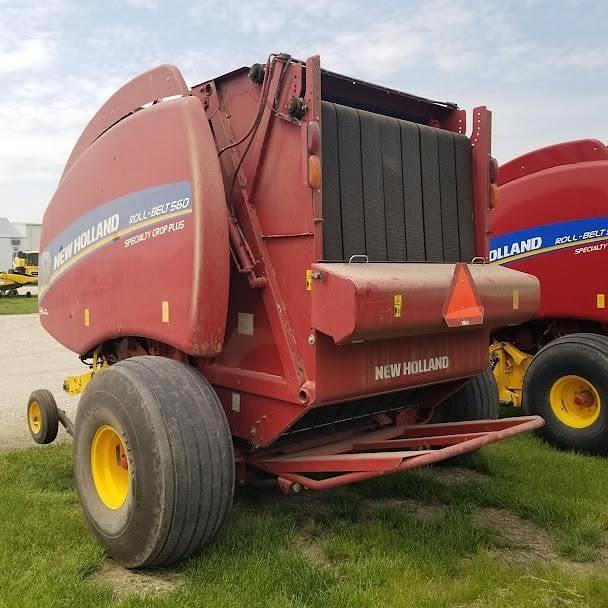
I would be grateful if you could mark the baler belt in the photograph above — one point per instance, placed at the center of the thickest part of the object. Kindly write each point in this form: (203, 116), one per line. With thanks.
(332, 214)
(462, 156)
(412, 192)
(431, 195)
(351, 182)
(396, 239)
(449, 201)
(394, 190)
(373, 186)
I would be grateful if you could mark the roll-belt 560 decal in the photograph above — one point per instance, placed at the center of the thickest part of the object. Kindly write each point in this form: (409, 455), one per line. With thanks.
(584, 236)
(133, 218)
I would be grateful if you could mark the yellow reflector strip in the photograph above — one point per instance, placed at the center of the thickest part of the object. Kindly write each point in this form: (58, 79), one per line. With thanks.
(309, 280)
(601, 300)
(165, 312)
(516, 299)
(87, 318)
(397, 305)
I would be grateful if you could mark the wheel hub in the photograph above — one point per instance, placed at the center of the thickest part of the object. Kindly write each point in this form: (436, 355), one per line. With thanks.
(575, 401)
(110, 467)
(34, 418)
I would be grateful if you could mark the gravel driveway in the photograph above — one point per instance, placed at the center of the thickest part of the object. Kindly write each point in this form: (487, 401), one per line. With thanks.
(30, 359)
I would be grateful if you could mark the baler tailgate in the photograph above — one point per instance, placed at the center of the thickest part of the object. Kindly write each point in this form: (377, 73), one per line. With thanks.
(369, 454)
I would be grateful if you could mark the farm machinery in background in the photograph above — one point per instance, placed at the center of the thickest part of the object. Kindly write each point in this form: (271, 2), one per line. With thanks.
(552, 221)
(330, 298)
(26, 262)
(23, 274)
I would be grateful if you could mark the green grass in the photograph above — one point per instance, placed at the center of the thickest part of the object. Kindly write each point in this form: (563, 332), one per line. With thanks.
(19, 305)
(360, 546)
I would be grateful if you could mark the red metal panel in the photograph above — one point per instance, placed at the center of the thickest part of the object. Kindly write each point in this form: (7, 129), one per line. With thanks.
(574, 273)
(158, 83)
(355, 302)
(121, 255)
(481, 154)
(567, 153)
(350, 371)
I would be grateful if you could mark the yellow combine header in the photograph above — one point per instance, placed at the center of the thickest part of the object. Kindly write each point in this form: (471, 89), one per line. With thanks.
(10, 282)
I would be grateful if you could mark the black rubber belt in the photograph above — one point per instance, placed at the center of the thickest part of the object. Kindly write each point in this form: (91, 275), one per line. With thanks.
(449, 200)
(332, 215)
(351, 181)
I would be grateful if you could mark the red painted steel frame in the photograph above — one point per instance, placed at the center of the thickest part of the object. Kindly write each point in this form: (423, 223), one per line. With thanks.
(279, 366)
(481, 154)
(368, 454)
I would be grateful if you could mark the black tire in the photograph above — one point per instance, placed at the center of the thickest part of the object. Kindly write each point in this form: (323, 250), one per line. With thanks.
(13, 293)
(43, 422)
(476, 400)
(583, 355)
(180, 460)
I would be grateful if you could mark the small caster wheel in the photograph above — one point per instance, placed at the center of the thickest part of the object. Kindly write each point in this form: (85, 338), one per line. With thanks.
(42, 417)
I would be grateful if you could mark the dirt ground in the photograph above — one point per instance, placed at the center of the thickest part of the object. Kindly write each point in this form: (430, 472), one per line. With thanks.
(30, 359)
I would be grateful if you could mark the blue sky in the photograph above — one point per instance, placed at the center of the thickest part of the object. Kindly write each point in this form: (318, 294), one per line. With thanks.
(542, 67)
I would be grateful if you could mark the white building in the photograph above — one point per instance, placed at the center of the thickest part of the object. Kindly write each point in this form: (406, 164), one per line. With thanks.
(14, 238)
(32, 236)
(11, 241)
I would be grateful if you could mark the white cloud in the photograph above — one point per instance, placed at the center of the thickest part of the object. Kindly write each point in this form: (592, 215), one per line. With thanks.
(147, 4)
(33, 53)
(60, 60)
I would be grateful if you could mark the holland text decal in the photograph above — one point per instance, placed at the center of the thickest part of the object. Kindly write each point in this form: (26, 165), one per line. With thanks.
(408, 368)
(550, 237)
(130, 216)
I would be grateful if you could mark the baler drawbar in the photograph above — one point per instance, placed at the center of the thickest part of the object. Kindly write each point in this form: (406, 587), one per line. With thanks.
(278, 273)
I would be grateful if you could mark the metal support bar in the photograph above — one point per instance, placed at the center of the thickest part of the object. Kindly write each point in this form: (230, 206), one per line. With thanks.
(465, 437)
(66, 422)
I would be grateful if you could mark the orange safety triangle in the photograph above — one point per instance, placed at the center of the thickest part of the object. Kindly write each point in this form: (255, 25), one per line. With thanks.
(463, 306)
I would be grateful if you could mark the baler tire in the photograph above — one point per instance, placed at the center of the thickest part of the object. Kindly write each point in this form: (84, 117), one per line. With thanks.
(178, 454)
(476, 400)
(42, 417)
(583, 356)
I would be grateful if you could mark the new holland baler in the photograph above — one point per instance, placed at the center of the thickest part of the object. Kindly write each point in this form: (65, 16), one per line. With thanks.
(552, 222)
(275, 274)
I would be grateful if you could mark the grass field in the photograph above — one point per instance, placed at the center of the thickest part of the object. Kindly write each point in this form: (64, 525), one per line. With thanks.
(522, 526)
(18, 305)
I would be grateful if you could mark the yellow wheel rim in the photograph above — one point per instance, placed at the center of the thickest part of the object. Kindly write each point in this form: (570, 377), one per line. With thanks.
(109, 467)
(575, 401)
(34, 418)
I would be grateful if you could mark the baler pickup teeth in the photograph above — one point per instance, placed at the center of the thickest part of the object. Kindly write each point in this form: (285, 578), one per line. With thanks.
(355, 459)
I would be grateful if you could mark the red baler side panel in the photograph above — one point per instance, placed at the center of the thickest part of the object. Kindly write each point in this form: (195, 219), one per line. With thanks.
(130, 233)
(567, 153)
(553, 223)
